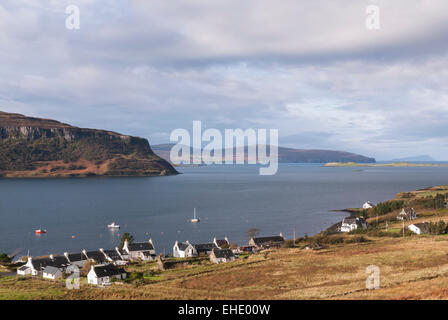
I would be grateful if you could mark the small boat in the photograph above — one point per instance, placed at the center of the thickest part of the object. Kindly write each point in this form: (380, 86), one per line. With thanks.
(40, 231)
(195, 220)
(113, 225)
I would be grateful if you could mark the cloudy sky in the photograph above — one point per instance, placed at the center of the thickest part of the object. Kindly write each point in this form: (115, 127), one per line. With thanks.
(309, 68)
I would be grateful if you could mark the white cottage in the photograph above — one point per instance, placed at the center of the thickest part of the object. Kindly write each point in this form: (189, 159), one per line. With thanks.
(140, 250)
(368, 205)
(184, 249)
(419, 228)
(103, 274)
(221, 255)
(51, 273)
(350, 224)
(407, 214)
(37, 265)
(221, 242)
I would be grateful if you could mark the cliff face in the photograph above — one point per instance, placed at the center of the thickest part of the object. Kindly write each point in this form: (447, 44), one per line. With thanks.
(33, 147)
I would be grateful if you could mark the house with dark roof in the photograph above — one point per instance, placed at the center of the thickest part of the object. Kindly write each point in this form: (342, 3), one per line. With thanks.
(95, 256)
(221, 255)
(103, 274)
(204, 248)
(184, 250)
(140, 250)
(123, 254)
(267, 242)
(35, 266)
(353, 223)
(111, 255)
(407, 214)
(419, 228)
(77, 259)
(51, 273)
(221, 242)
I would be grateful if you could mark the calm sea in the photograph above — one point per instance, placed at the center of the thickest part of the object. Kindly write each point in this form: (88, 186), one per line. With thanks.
(229, 201)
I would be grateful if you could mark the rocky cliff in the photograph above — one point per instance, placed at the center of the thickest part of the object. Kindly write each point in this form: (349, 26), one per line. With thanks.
(33, 147)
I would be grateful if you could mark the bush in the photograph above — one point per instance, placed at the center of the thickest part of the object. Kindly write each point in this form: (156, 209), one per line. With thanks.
(288, 244)
(4, 258)
(357, 239)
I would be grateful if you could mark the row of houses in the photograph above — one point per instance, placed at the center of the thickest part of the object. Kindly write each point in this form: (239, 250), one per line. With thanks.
(187, 249)
(105, 264)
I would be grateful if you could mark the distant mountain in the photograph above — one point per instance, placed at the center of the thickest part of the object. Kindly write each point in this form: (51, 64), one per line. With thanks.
(34, 147)
(424, 157)
(289, 155)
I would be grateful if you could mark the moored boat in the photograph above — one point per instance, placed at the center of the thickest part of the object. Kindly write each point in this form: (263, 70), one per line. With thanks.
(113, 225)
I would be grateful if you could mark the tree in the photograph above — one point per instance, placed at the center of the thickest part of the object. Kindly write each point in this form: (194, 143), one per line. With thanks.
(252, 233)
(126, 236)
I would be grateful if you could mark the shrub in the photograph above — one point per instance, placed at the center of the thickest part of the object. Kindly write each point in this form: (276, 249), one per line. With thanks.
(357, 239)
(4, 258)
(288, 244)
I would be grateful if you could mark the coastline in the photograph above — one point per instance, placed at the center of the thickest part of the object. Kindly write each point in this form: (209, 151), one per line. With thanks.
(391, 164)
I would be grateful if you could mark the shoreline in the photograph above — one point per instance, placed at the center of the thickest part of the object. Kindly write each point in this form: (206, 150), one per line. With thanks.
(391, 164)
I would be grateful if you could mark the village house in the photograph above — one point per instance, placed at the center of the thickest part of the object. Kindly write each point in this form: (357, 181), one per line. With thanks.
(140, 250)
(368, 205)
(204, 248)
(103, 274)
(95, 256)
(221, 255)
(221, 242)
(51, 273)
(113, 256)
(267, 242)
(123, 254)
(353, 223)
(419, 228)
(77, 259)
(37, 265)
(407, 214)
(184, 250)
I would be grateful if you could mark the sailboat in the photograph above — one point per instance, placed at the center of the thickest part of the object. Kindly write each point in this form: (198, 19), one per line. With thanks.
(195, 220)
(113, 225)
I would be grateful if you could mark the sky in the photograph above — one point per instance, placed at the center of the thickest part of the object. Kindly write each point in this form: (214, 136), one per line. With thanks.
(311, 69)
